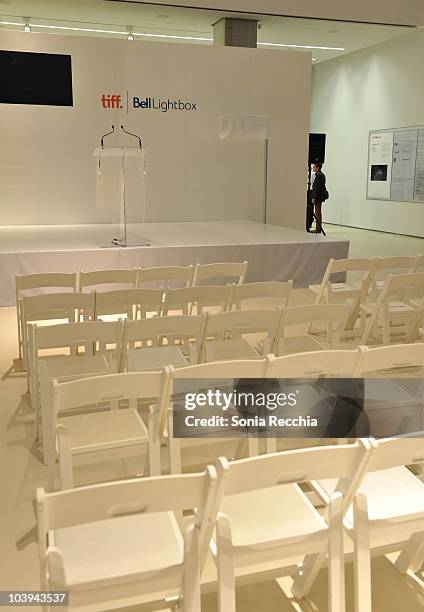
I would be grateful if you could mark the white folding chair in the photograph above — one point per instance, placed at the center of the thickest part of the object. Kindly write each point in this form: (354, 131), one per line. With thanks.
(387, 514)
(31, 282)
(361, 266)
(183, 336)
(120, 544)
(166, 276)
(260, 295)
(383, 266)
(394, 406)
(224, 334)
(330, 292)
(182, 300)
(127, 279)
(198, 377)
(111, 433)
(128, 303)
(334, 316)
(93, 336)
(50, 309)
(397, 309)
(228, 272)
(267, 525)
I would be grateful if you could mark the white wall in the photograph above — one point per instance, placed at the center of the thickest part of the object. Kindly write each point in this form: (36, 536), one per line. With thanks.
(377, 88)
(46, 167)
(407, 12)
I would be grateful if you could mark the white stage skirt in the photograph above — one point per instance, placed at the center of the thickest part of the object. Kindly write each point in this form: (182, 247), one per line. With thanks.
(274, 253)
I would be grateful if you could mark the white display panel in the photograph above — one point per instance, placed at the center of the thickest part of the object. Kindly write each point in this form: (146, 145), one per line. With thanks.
(380, 165)
(396, 165)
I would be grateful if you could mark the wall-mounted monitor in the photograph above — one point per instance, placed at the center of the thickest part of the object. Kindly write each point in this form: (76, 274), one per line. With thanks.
(35, 78)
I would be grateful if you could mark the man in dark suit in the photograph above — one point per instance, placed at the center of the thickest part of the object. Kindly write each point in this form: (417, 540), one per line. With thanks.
(319, 194)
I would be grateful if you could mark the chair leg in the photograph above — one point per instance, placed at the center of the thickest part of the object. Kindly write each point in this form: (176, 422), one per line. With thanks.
(225, 566)
(336, 570)
(153, 449)
(174, 446)
(191, 572)
(412, 556)
(253, 445)
(303, 581)
(65, 458)
(362, 555)
(386, 331)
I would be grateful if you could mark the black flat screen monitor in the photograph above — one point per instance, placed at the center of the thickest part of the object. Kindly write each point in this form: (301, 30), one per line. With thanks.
(35, 78)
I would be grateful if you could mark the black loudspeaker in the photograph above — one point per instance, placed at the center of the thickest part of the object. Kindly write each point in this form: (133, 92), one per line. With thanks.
(317, 148)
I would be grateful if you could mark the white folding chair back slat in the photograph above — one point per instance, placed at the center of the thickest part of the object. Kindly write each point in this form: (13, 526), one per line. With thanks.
(203, 298)
(167, 276)
(316, 364)
(108, 277)
(129, 302)
(260, 295)
(237, 368)
(119, 519)
(393, 357)
(223, 270)
(300, 465)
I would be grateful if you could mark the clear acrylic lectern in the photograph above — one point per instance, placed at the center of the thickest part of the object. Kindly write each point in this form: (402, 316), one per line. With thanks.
(121, 174)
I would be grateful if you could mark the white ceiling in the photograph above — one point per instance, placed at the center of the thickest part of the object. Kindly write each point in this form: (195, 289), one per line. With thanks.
(173, 21)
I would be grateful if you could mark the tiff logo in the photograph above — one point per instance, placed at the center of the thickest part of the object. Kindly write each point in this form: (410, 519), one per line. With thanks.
(111, 101)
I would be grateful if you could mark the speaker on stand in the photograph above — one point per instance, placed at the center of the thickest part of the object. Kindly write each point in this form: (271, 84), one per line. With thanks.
(316, 155)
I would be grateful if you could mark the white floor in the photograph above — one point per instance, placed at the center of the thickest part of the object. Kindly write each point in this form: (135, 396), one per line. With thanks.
(21, 472)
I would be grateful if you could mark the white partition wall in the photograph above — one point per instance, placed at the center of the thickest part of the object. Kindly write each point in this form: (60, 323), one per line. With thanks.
(380, 88)
(173, 96)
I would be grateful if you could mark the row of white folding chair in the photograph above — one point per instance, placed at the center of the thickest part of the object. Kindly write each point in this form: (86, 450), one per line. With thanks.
(225, 333)
(138, 512)
(224, 336)
(369, 269)
(355, 363)
(399, 308)
(131, 278)
(285, 528)
(352, 363)
(188, 331)
(367, 287)
(85, 395)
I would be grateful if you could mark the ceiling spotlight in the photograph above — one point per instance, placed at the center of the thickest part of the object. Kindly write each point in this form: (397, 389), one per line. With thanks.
(27, 27)
(130, 33)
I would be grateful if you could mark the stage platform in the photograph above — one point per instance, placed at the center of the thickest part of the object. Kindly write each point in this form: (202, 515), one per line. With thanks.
(274, 253)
